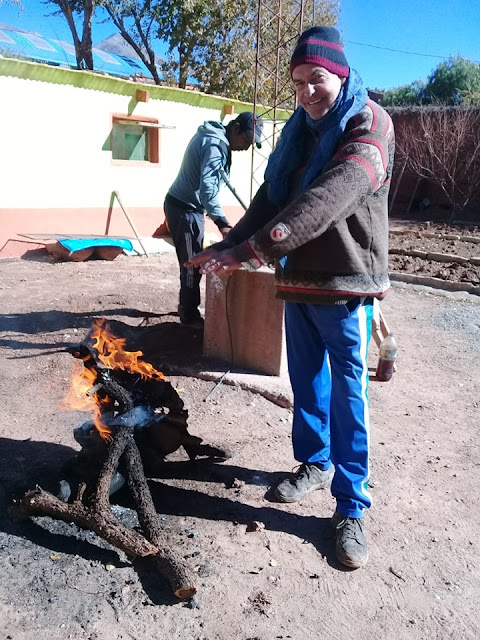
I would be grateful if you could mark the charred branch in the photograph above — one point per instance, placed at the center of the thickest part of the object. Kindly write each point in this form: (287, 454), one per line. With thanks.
(99, 518)
(168, 563)
(133, 420)
(42, 503)
(154, 392)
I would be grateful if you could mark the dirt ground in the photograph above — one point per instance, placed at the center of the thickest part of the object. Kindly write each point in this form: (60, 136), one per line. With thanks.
(281, 581)
(416, 240)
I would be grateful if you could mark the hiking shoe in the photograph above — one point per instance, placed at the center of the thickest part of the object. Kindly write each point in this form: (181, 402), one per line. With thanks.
(350, 542)
(306, 479)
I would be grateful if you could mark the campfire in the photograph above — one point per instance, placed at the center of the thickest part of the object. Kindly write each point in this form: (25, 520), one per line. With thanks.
(138, 419)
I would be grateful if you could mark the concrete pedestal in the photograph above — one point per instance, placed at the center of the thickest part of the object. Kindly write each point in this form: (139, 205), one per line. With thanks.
(244, 321)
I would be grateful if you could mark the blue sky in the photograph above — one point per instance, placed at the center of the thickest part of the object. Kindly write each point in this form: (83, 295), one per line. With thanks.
(430, 27)
(37, 16)
(434, 28)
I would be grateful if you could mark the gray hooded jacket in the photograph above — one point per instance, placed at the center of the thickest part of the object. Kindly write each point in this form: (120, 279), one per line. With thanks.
(199, 179)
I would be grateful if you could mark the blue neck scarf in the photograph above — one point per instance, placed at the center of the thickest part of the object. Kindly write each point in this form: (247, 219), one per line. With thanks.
(288, 154)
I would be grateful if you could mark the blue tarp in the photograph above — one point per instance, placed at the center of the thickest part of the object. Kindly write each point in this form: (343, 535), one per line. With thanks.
(59, 53)
(77, 244)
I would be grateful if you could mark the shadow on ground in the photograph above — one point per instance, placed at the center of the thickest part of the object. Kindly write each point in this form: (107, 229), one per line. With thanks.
(164, 342)
(25, 464)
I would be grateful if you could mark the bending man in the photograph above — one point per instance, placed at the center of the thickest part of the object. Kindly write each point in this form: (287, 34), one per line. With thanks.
(195, 190)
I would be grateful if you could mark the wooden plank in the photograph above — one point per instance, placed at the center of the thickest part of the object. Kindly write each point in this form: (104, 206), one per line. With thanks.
(44, 238)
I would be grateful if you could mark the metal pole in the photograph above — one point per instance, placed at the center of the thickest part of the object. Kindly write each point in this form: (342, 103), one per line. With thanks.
(217, 384)
(300, 30)
(232, 188)
(277, 69)
(255, 89)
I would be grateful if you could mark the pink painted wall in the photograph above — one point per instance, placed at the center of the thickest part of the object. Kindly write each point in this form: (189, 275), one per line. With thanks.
(82, 221)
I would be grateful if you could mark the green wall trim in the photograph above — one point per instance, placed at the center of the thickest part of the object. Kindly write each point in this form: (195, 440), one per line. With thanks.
(27, 70)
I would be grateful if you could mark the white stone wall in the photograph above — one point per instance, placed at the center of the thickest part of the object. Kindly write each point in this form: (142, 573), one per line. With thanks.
(52, 156)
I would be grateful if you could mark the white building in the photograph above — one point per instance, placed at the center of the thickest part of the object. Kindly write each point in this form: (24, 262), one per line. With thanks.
(70, 138)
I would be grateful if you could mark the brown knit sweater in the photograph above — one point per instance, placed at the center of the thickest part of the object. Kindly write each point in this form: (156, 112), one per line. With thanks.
(336, 232)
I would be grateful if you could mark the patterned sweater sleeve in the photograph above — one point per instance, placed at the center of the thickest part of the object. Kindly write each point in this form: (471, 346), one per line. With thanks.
(258, 214)
(358, 168)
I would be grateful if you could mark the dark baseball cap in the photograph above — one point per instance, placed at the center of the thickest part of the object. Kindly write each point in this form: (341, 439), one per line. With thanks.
(249, 122)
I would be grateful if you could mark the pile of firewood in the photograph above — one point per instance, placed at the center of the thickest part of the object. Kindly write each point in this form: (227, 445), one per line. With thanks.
(140, 417)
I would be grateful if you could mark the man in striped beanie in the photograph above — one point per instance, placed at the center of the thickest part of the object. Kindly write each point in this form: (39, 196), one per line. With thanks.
(322, 216)
(321, 46)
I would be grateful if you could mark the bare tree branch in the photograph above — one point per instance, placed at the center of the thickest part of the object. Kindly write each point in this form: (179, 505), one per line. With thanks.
(443, 145)
(83, 42)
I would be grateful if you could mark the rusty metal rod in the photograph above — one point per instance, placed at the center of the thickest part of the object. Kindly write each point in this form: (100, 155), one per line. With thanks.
(217, 384)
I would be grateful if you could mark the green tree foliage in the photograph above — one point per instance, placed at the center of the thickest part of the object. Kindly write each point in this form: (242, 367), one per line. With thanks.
(211, 42)
(223, 53)
(404, 96)
(203, 37)
(471, 98)
(453, 82)
(136, 21)
(84, 9)
(206, 38)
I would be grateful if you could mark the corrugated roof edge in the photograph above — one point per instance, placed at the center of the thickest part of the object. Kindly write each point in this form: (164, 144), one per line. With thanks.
(89, 80)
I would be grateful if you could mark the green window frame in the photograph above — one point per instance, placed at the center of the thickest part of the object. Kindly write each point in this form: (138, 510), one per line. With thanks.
(134, 139)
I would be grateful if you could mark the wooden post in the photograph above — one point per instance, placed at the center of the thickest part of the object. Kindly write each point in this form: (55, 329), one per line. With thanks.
(414, 193)
(395, 191)
(142, 95)
(109, 215)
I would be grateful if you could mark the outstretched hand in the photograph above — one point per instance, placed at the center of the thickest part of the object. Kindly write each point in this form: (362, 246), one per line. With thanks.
(211, 261)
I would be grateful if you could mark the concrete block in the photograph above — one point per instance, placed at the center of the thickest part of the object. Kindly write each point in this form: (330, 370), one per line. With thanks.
(244, 321)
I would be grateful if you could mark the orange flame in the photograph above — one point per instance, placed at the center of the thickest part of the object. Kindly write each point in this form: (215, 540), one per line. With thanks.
(79, 399)
(111, 353)
(82, 380)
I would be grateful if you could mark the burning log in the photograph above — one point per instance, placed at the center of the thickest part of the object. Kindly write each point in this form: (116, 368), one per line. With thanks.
(129, 398)
(99, 518)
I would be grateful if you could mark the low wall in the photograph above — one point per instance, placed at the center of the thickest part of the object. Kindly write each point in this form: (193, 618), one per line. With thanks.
(56, 163)
(82, 221)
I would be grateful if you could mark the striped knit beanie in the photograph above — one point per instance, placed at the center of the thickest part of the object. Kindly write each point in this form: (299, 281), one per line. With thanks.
(321, 46)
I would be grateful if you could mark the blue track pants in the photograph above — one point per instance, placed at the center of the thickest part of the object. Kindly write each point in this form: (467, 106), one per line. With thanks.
(327, 348)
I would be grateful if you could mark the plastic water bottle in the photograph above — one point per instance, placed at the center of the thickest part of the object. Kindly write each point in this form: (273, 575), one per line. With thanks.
(386, 359)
